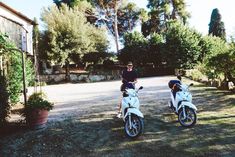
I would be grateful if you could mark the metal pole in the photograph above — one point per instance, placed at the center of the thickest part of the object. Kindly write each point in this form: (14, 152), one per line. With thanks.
(24, 82)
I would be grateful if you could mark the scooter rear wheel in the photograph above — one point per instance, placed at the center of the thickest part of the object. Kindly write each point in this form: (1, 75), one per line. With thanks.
(137, 126)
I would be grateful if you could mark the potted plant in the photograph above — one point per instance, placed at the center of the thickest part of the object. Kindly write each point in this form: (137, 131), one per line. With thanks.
(36, 110)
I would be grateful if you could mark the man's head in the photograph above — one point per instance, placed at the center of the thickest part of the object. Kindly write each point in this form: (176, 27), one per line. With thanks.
(129, 66)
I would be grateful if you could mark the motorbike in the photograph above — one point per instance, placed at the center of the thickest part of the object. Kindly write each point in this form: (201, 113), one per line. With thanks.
(181, 103)
(130, 113)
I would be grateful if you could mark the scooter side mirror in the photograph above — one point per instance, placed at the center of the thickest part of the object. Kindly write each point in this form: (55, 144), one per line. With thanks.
(141, 87)
(179, 77)
(191, 84)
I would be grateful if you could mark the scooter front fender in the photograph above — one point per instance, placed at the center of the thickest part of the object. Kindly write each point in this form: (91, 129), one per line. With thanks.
(188, 104)
(134, 111)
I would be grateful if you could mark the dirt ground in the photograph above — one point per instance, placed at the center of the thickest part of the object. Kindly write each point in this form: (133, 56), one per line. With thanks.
(83, 123)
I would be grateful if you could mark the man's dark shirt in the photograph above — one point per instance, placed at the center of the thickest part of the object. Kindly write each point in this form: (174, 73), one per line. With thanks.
(129, 76)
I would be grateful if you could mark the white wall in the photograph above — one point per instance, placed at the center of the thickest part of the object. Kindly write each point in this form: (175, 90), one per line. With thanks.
(27, 26)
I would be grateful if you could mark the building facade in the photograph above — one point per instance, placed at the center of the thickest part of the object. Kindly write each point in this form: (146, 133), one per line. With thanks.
(17, 27)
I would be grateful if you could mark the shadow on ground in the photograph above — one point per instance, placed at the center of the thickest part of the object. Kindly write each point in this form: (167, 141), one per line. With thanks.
(103, 135)
(98, 133)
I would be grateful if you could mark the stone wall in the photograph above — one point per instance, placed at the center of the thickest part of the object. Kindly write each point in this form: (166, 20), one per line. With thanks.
(80, 78)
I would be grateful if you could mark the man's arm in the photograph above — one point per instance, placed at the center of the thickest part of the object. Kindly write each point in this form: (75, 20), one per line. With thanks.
(135, 78)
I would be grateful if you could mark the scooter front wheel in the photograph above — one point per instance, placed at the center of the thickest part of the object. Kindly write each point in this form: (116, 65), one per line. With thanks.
(136, 127)
(190, 118)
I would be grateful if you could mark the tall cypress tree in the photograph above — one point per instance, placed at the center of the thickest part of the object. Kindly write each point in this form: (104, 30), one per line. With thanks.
(216, 26)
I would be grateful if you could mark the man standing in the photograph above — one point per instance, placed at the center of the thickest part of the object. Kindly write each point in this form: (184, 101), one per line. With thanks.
(129, 79)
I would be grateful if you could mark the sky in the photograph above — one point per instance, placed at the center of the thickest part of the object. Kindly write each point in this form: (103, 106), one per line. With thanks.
(200, 11)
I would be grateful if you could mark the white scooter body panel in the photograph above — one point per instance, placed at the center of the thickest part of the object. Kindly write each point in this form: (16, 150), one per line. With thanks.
(131, 103)
(133, 111)
(182, 100)
(189, 104)
(185, 96)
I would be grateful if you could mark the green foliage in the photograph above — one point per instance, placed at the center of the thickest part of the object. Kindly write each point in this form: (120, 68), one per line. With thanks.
(216, 59)
(14, 73)
(162, 11)
(127, 15)
(182, 48)
(222, 63)
(135, 48)
(3, 43)
(70, 3)
(38, 101)
(195, 74)
(4, 103)
(211, 46)
(177, 48)
(216, 26)
(68, 33)
(156, 49)
(11, 79)
(143, 15)
(94, 57)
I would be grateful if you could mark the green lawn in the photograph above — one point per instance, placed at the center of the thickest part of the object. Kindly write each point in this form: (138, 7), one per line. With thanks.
(103, 134)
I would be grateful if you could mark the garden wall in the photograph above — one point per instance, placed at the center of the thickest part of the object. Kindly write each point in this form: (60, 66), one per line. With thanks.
(81, 77)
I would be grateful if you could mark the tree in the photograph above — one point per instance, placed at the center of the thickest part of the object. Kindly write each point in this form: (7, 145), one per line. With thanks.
(135, 49)
(179, 11)
(155, 49)
(127, 18)
(94, 57)
(69, 33)
(211, 46)
(218, 58)
(118, 16)
(108, 9)
(182, 48)
(221, 64)
(162, 11)
(70, 3)
(83, 5)
(216, 26)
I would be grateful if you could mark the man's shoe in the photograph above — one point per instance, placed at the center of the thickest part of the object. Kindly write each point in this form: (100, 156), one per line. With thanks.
(119, 115)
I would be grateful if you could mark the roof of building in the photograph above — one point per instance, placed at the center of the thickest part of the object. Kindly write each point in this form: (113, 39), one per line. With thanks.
(17, 13)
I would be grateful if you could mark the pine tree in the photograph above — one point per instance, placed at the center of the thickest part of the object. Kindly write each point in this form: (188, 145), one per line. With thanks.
(216, 26)
(161, 11)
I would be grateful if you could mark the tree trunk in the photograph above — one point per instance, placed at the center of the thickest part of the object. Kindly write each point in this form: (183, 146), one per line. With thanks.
(231, 78)
(1, 66)
(130, 27)
(67, 75)
(116, 25)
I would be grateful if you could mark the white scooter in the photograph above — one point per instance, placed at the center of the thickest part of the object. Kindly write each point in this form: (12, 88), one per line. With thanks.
(181, 103)
(132, 117)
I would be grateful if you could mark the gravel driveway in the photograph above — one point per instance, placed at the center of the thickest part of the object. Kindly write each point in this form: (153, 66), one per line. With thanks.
(89, 98)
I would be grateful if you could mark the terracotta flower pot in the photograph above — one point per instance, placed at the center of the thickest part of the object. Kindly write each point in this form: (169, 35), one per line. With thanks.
(37, 118)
